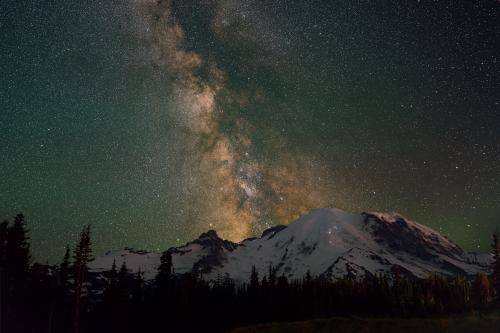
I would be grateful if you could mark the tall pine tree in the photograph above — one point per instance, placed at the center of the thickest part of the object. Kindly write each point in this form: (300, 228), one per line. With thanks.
(481, 291)
(63, 310)
(3, 282)
(113, 273)
(3, 242)
(138, 290)
(17, 250)
(16, 273)
(82, 256)
(495, 275)
(137, 301)
(254, 279)
(123, 284)
(164, 276)
(64, 268)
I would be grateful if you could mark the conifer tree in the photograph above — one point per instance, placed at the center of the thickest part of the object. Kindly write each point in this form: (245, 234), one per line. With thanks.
(138, 289)
(3, 242)
(110, 300)
(3, 282)
(495, 274)
(264, 282)
(64, 268)
(15, 273)
(122, 275)
(112, 287)
(17, 249)
(62, 312)
(481, 291)
(398, 292)
(123, 283)
(254, 279)
(137, 301)
(120, 299)
(460, 292)
(82, 256)
(113, 273)
(272, 276)
(164, 275)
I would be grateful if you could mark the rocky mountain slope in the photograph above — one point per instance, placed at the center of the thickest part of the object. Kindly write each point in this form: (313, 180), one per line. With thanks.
(328, 243)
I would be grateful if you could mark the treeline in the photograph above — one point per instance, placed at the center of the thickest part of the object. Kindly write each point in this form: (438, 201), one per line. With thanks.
(68, 298)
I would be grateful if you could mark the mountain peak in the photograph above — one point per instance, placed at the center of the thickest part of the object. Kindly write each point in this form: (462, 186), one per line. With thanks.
(327, 242)
(212, 234)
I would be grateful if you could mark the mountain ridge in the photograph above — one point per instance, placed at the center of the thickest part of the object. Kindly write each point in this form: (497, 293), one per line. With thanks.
(327, 242)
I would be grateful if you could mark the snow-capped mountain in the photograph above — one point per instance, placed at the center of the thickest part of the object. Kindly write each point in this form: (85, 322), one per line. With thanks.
(329, 243)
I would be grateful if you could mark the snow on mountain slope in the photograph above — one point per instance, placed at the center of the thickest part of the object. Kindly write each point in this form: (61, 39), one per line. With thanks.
(327, 242)
(146, 261)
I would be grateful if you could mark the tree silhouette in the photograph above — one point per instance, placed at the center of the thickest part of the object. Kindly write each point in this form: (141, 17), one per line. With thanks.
(16, 273)
(3, 242)
(138, 290)
(495, 274)
(3, 281)
(481, 291)
(164, 275)
(17, 249)
(81, 257)
(254, 279)
(64, 268)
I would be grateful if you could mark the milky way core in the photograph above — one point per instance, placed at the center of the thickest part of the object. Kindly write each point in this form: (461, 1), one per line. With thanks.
(233, 189)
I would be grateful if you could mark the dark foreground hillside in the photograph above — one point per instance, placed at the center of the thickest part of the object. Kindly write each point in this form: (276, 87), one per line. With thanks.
(464, 324)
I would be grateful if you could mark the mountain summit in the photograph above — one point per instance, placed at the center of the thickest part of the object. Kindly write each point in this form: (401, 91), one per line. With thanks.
(328, 243)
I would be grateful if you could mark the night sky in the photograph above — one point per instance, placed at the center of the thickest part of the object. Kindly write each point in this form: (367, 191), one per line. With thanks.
(157, 120)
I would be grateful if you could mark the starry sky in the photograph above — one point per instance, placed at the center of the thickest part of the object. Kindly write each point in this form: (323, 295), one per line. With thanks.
(157, 120)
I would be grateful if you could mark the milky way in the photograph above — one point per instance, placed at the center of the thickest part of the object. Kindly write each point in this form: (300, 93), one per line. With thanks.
(157, 120)
(231, 189)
